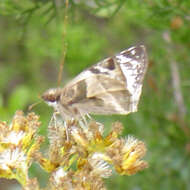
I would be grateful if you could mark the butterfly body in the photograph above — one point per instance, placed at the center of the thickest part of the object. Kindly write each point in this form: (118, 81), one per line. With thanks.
(112, 86)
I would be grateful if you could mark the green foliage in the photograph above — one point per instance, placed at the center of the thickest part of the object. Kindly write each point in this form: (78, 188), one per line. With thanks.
(32, 46)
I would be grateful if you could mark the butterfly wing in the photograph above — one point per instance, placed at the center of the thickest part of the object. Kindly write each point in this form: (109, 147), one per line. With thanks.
(112, 86)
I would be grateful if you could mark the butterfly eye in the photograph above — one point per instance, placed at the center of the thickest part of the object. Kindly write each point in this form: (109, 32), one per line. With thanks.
(50, 98)
(110, 64)
(51, 95)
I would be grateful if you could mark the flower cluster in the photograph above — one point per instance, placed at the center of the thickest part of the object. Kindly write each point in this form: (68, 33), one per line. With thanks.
(82, 145)
(18, 142)
(79, 156)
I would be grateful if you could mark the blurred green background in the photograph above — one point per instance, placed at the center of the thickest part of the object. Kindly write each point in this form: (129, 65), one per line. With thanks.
(33, 38)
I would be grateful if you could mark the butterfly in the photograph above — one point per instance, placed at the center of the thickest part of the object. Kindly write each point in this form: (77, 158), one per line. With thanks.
(112, 86)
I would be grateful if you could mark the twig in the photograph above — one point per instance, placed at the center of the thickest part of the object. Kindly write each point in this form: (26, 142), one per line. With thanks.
(65, 21)
(177, 90)
(176, 83)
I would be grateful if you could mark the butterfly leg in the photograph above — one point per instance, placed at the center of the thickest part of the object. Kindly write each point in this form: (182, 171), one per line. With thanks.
(66, 131)
(53, 119)
(84, 124)
(84, 120)
(88, 116)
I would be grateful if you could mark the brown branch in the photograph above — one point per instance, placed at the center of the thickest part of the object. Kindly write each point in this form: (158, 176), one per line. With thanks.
(176, 83)
(176, 89)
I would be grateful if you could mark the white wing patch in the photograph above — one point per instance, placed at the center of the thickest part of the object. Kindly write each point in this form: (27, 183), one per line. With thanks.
(122, 59)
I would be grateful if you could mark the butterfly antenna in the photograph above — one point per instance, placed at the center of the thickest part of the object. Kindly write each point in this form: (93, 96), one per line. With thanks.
(33, 105)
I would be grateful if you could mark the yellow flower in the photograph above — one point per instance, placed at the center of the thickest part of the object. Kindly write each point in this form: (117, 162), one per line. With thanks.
(126, 155)
(17, 144)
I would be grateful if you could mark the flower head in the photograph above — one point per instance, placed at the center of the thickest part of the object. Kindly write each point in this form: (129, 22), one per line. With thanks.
(126, 155)
(17, 144)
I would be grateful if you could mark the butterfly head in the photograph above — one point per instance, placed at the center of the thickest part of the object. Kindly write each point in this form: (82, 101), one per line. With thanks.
(52, 96)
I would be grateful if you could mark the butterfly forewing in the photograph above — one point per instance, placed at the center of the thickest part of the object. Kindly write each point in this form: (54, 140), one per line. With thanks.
(112, 86)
